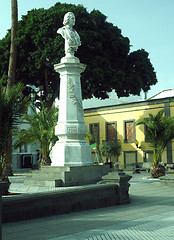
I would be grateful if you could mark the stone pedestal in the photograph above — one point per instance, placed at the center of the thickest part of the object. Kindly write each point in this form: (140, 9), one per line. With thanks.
(71, 149)
(53, 176)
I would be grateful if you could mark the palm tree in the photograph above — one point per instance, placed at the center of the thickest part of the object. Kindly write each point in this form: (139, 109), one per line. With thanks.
(12, 106)
(11, 74)
(41, 131)
(160, 131)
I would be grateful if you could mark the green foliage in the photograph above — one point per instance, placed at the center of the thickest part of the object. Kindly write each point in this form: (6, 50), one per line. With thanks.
(104, 50)
(110, 149)
(12, 106)
(89, 137)
(140, 70)
(160, 131)
(93, 137)
(41, 131)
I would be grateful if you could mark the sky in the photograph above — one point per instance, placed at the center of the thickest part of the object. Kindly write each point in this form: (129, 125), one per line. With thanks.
(147, 23)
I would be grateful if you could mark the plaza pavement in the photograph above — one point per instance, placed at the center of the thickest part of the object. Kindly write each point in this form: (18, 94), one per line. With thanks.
(149, 216)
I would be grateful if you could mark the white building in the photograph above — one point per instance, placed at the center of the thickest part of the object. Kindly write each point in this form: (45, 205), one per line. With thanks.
(112, 100)
(163, 94)
(25, 157)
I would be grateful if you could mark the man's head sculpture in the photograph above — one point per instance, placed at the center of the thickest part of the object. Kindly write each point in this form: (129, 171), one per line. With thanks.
(72, 39)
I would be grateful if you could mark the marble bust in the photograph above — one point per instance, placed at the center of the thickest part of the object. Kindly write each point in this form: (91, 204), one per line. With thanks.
(72, 39)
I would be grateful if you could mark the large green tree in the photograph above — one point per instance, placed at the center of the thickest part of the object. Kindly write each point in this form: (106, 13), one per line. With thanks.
(105, 51)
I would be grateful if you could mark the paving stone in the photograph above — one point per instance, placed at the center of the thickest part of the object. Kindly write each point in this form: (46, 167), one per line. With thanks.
(158, 227)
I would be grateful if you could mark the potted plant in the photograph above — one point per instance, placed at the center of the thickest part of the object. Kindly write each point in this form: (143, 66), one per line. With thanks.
(110, 149)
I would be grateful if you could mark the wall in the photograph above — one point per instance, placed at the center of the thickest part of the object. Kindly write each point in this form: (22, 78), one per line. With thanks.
(22, 207)
(131, 111)
(172, 114)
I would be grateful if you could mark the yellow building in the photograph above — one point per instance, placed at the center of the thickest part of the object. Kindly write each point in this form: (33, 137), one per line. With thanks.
(118, 122)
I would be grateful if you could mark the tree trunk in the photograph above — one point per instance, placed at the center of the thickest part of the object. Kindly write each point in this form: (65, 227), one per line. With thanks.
(13, 48)
(8, 159)
(157, 153)
(45, 161)
(11, 73)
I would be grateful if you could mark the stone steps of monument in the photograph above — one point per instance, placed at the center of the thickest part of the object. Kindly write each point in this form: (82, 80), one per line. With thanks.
(48, 176)
(43, 183)
(49, 170)
(53, 169)
(72, 176)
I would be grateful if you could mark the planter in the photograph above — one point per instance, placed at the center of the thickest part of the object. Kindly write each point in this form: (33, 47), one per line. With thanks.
(157, 170)
(6, 185)
(110, 164)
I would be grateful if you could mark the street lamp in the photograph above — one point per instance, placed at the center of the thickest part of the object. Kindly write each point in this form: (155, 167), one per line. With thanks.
(38, 95)
(33, 95)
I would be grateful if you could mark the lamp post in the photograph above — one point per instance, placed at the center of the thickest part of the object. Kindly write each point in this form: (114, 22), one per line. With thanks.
(40, 95)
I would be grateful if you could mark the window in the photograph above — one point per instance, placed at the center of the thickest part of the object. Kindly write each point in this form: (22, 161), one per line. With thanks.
(94, 130)
(129, 131)
(26, 161)
(130, 158)
(111, 134)
(23, 148)
(148, 156)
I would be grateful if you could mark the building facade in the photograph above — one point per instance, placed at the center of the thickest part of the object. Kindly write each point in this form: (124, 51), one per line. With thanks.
(118, 122)
(27, 156)
(113, 123)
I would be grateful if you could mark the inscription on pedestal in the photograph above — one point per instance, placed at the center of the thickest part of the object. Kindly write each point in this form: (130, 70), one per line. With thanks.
(72, 130)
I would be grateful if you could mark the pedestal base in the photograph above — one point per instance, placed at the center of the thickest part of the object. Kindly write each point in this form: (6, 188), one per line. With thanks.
(71, 153)
(67, 176)
(71, 149)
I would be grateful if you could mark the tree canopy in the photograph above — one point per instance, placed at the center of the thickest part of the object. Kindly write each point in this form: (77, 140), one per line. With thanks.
(110, 149)
(110, 64)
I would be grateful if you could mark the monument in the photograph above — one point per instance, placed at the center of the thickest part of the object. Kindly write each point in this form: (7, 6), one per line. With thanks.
(71, 149)
(71, 156)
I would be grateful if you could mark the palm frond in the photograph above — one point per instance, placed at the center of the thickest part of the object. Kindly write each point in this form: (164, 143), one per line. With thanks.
(12, 106)
(159, 130)
(41, 129)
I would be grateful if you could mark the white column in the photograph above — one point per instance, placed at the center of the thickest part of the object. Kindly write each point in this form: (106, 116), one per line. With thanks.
(71, 149)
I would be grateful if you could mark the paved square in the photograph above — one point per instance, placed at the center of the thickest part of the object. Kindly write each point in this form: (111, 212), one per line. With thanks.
(149, 216)
(157, 227)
